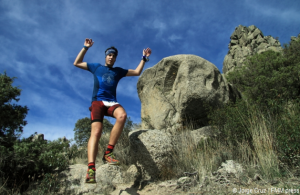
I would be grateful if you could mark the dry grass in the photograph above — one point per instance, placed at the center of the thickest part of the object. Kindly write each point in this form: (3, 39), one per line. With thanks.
(264, 147)
(207, 155)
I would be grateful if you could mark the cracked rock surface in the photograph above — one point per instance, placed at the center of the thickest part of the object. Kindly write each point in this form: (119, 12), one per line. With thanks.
(247, 41)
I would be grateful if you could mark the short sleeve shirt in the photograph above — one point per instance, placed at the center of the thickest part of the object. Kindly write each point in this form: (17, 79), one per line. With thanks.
(106, 80)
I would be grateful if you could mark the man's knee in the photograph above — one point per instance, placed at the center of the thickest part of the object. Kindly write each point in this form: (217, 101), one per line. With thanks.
(121, 117)
(96, 134)
(96, 130)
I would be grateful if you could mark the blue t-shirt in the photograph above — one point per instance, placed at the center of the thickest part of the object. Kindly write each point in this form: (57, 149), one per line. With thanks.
(105, 81)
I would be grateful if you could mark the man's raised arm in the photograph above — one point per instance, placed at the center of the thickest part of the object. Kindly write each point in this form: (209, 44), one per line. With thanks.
(139, 68)
(78, 61)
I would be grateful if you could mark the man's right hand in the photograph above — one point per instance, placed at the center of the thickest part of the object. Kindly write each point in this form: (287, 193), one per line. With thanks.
(79, 59)
(88, 42)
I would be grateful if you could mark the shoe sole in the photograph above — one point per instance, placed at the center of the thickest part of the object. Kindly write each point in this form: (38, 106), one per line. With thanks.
(105, 162)
(91, 181)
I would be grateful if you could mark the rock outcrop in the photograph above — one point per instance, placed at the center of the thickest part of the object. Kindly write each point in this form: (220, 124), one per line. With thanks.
(112, 180)
(38, 137)
(108, 177)
(178, 90)
(151, 151)
(294, 39)
(247, 41)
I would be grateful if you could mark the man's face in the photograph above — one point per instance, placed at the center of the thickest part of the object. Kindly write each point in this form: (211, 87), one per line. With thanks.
(110, 59)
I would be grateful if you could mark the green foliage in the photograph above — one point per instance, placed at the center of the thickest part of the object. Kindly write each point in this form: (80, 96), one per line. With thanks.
(30, 158)
(270, 79)
(270, 83)
(12, 115)
(235, 122)
(25, 158)
(230, 120)
(50, 184)
(288, 134)
(292, 50)
(83, 130)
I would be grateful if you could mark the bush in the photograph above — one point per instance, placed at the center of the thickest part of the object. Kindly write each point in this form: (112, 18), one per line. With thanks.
(33, 159)
(288, 134)
(270, 79)
(230, 120)
(270, 85)
(25, 158)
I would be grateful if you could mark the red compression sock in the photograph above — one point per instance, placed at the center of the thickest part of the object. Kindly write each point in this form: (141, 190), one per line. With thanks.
(109, 149)
(91, 165)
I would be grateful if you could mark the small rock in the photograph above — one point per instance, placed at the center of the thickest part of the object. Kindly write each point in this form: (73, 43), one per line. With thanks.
(184, 180)
(257, 177)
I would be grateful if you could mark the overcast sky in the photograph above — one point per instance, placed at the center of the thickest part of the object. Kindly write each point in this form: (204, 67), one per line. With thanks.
(41, 39)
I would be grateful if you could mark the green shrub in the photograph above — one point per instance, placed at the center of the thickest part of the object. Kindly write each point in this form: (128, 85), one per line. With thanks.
(243, 123)
(230, 120)
(270, 84)
(83, 130)
(288, 134)
(270, 79)
(33, 159)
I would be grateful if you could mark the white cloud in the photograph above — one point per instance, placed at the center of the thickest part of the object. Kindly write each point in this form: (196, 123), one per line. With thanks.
(16, 11)
(174, 37)
(128, 87)
(276, 12)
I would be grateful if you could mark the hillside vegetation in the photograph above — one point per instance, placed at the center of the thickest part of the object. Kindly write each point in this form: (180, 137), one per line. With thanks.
(263, 128)
(261, 131)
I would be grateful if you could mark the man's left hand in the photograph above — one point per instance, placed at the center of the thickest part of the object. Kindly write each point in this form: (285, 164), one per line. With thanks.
(147, 52)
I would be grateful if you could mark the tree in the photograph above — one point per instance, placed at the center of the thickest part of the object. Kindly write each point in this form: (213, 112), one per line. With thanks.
(24, 158)
(270, 83)
(270, 78)
(11, 115)
(83, 130)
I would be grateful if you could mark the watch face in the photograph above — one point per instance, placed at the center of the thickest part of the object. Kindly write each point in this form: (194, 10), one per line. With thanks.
(146, 59)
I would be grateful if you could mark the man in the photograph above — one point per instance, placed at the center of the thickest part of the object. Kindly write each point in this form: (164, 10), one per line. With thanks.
(104, 101)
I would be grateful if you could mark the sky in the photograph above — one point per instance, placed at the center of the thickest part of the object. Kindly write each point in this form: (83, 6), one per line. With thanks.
(41, 39)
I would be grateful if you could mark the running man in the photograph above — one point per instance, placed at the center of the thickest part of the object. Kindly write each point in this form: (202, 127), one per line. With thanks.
(104, 101)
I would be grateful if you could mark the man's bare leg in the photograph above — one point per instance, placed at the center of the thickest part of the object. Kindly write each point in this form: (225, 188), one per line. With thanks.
(120, 116)
(92, 151)
(93, 141)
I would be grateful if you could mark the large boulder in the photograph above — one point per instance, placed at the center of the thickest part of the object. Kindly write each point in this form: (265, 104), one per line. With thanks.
(247, 41)
(178, 90)
(72, 181)
(151, 151)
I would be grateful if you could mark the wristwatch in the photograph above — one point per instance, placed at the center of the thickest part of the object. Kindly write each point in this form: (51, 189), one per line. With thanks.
(145, 58)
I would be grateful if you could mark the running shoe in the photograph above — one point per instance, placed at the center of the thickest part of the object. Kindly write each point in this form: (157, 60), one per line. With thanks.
(90, 176)
(110, 159)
